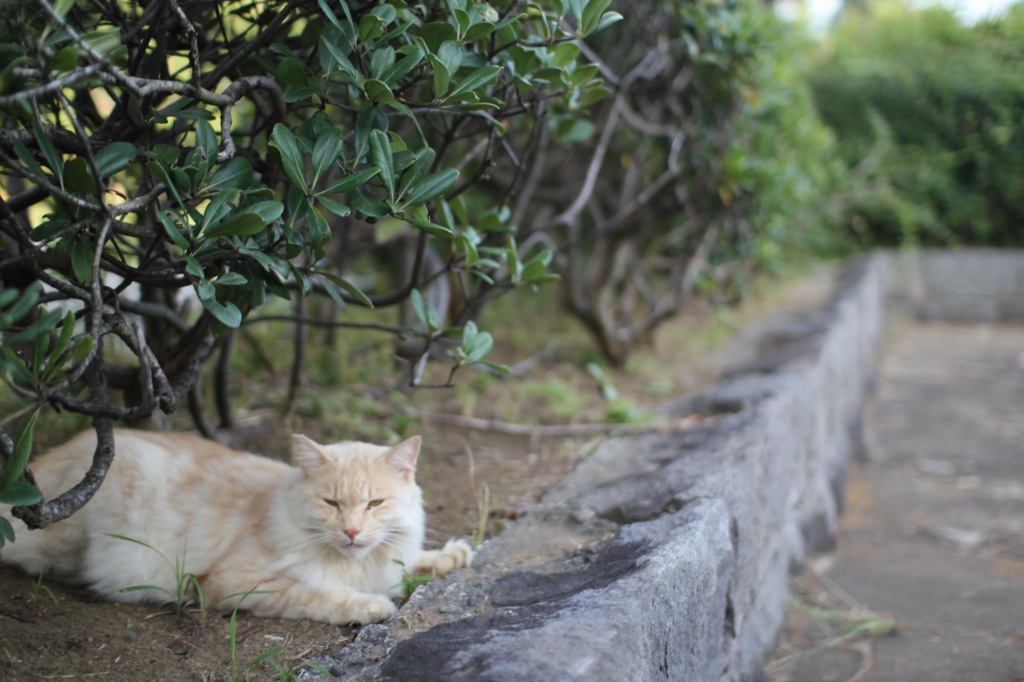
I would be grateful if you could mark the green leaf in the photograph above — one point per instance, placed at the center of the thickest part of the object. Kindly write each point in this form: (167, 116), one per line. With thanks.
(20, 493)
(103, 40)
(6, 531)
(419, 167)
(239, 225)
(607, 19)
(352, 289)
(25, 302)
(115, 157)
(7, 297)
(284, 141)
(291, 72)
(577, 7)
(268, 210)
(478, 31)
(319, 230)
(343, 61)
(15, 366)
(167, 153)
(67, 329)
(419, 306)
(404, 65)
(386, 13)
(370, 27)
(206, 140)
(62, 7)
(584, 74)
(336, 207)
(50, 153)
(441, 77)
(175, 235)
(22, 450)
(48, 229)
(469, 334)
(80, 351)
(227, 314)
(475, 80)
(378, 91)
(368, 121)
(237, 174)
(383, 59)
(192, 266)
(504, 369)
(592, 15)
(65, 59)
(77, 176)
(480, 348)
(219, 207)
(380, 156)
(431, 228)
(433, 186)
(81, 260)
(350, 181)
(231, 279)
(592, 95)
(565, 54)
(326, 150)
(367, 204)
(435, 34)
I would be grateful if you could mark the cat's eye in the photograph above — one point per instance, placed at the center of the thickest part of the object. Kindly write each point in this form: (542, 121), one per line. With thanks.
(374, 503)
(331, 503)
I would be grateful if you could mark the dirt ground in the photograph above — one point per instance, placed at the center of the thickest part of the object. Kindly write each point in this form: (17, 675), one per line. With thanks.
(474, 481)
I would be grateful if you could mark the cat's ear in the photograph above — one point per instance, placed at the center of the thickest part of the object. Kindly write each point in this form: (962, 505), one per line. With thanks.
(308, 455)
(403, 456)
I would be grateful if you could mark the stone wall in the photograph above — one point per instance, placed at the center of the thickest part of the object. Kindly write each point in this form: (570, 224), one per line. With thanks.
(964, 285)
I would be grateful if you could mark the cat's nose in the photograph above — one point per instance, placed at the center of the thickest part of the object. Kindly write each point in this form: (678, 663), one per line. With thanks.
(351, 533)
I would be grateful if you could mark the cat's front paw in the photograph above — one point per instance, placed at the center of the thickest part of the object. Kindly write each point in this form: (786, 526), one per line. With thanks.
(454, 554)
(371, 608)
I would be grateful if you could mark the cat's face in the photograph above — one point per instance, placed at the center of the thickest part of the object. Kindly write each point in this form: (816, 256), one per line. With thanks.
(358, 496)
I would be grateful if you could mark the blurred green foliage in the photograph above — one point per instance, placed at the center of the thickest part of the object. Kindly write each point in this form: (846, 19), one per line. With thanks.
(929, 117)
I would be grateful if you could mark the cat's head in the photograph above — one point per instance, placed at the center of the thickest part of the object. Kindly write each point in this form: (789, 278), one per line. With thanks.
(360, 496)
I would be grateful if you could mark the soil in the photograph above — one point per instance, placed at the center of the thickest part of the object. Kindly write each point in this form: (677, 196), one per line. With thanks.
(473, 481)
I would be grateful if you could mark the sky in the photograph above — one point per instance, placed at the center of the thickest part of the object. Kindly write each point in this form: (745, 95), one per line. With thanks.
(821, 11)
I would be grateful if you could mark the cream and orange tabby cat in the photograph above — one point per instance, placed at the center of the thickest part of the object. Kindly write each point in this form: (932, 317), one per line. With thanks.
(319, 540)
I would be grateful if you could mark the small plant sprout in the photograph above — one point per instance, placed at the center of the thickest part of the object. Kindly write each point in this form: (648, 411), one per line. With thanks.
(186, 584)
(410, 581)
(38, 587)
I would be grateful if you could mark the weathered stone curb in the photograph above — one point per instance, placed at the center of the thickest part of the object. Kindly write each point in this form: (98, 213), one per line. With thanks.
(662, 557)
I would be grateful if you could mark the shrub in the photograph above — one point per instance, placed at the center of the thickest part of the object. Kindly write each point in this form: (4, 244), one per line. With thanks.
(929, 117)
(242, 151)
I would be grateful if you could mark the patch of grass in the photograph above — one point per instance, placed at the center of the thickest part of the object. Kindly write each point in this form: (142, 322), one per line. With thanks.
(560, 399)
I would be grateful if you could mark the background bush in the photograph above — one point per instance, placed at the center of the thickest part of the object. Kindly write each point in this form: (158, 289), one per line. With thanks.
(929, 118)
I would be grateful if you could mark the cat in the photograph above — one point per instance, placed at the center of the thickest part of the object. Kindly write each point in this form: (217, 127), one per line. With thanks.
(326, 539)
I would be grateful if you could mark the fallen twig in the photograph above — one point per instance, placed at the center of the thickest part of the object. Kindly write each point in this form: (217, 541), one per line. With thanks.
(556, 430)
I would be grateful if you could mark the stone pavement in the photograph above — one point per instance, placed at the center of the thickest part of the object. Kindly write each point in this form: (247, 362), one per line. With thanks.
(932, 540)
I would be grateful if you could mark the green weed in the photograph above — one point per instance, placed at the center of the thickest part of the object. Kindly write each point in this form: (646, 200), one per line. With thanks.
(38, 587)
(186, 584)
(410, 582)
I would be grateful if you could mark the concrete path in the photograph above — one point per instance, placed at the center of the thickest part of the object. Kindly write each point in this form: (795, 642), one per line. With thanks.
(931, 545)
